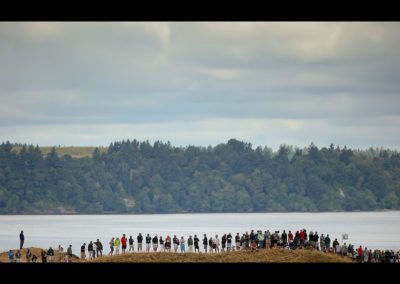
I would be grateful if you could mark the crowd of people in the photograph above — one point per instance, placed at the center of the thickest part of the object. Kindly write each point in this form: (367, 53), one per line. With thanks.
(252, 241)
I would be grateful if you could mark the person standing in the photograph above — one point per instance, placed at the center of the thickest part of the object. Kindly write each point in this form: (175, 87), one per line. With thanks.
(131, 248)
(111, 243)
(148, 243)
(43, 255)
(205, 243)
(83, 249)
(69, 251)
(123, 242)
(182, 243)
(11, 256)
(190, 243)
(290, 237)
(175, 240)
(155, 243)
(18, 256)
(90, 250)
(21, 240)
(196, 244)
(117, 243)
(28, 255)
(237, 241)
(223, 242)
(139, 242)
(229, 242)
(168, 243)
(99, 248)
(161, 244)
(50, 254)
(216, 244)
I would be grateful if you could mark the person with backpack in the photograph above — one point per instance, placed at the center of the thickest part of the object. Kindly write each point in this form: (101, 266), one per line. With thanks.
(327, 243)
(196, 244)
(99, 248)
(131, 248)
(190, 243)
(139, 240)
(83, 249)
(111, 243)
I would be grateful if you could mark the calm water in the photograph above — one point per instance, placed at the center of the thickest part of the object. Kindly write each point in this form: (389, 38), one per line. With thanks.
(371, 229)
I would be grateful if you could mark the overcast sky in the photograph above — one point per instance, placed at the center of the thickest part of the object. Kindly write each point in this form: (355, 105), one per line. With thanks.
(201, 83)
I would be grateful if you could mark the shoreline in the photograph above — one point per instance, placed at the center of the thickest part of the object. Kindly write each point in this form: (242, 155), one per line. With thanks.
(198, 213)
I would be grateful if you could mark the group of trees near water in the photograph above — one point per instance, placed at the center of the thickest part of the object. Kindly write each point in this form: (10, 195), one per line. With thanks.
(139, 177)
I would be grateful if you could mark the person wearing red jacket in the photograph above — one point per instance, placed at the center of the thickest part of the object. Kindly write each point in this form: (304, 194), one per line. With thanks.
(360, 253)
(290, 237)
(123, 242)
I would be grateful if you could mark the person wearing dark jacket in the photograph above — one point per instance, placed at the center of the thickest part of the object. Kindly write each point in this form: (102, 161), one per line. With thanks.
(155, 243)
(237, 241)
(223, 242)
(21, 240)
(43, 255)
(205, 243)
(50, 254)
(284, 238)
(99, 248)
(148, 242)
(229, 242)
(90, 250)
(139, 242)
(131, 248)
(196, 243)
(83, 249)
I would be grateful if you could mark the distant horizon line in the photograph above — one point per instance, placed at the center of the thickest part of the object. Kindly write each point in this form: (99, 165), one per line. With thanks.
(253, 146)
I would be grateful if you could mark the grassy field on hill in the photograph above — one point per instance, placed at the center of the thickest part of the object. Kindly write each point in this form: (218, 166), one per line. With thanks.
(261, 256)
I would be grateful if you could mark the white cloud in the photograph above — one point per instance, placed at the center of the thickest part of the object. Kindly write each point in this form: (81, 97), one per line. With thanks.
(200, 83)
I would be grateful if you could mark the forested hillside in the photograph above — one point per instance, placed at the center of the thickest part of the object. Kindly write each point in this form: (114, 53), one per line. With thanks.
(139, 177)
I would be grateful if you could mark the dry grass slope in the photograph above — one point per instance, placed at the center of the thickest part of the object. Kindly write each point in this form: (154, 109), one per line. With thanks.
(261, 256)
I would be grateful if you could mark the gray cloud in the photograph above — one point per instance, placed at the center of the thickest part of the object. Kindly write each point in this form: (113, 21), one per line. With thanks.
(200, 83)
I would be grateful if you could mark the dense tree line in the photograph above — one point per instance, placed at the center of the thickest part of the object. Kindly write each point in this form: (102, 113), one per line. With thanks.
(139, 177)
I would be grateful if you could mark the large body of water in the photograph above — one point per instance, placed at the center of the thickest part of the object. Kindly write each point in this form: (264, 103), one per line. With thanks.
(371, 229)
